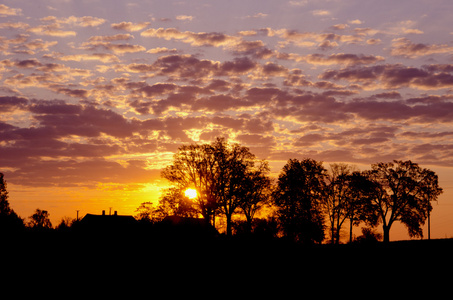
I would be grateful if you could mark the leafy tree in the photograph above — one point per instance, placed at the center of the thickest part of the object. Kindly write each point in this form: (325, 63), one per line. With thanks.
(173, 202)
(402, 191)
(257, 187)
(65, 224)
(357, 206)
(9, 220)
(234, 166)
(298, 196)
(369, 236)
(40, 220)
(219, 172)
(145, 212)
(194, 165)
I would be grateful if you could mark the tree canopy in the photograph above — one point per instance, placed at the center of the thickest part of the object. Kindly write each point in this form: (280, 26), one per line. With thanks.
(223, 175)
(402, 191)
(298, 197)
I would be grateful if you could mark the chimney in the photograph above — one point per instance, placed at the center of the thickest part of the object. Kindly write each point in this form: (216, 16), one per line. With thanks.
(115, 213)
(103, 212)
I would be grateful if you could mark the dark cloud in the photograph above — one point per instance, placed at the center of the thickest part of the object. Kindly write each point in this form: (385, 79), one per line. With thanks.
(406, 48)
(8, 104)
(80, 173)
(393, 76)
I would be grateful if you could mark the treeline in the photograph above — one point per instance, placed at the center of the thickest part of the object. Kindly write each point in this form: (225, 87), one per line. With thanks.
(11, 222)
(307, 203)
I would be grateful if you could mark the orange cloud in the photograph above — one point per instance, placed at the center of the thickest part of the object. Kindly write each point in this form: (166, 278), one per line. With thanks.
(103, 57)
(184, 18)
(195, 39)
(52, 30)
(8, 11)
(129, 26)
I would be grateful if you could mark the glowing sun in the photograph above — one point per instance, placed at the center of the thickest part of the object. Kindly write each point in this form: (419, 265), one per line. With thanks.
(190, 193)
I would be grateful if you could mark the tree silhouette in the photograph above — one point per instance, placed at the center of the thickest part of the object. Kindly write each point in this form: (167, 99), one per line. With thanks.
(257, 188)
(402, 191)
(234, 165)
(299, 192)
(145, 212)
(194, 165)
(173, 202)
(220, 173)
(357, 206)
(65, 224)
(40, 220)
(337, 198)
(9, 220)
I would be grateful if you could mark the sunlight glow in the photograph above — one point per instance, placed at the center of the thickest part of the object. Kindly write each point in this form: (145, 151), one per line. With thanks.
(190, 193)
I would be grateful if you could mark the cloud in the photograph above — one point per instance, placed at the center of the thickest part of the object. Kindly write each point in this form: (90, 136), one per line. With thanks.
(88, 173)
(159, 50)
(14, 25)
(111, 38)
(188, 67)
(8, 11)
(53, 26)
(310, 39)
(214, 39)
(298, 3)
(392, 76)
(355, 22)
(86, 21)
(8, 104)
(184, 18)
(256, 16)
(406, 48)
(342, 58)
(103, 57)
(52, 30)
(321, 12)
(35, 45)
(129, 26)
(116, 48)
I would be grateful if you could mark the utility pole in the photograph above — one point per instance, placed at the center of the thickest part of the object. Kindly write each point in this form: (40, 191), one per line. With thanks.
(77, 214)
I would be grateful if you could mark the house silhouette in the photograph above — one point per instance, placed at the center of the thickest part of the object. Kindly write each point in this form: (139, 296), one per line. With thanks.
(109, 222)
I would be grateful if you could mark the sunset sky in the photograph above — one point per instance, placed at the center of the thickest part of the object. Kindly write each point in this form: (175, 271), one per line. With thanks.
(96, 96)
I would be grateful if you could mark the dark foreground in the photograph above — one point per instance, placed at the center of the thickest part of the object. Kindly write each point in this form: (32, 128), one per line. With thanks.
(105, 264)
(95, 250)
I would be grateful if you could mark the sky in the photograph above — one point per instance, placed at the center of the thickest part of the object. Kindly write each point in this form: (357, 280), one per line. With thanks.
(96, 96)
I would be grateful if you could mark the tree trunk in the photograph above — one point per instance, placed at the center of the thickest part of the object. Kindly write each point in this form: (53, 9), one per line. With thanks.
(228, 225)
(386, 230)
(249, 223)
(333, 233)
(350, 230)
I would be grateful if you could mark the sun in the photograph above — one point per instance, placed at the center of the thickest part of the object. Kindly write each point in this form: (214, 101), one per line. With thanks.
(190, 193)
